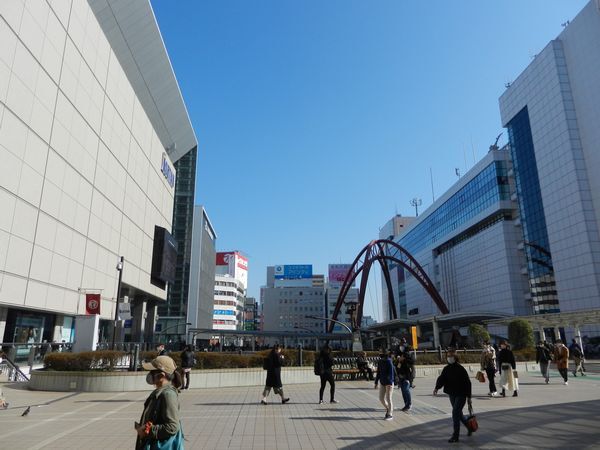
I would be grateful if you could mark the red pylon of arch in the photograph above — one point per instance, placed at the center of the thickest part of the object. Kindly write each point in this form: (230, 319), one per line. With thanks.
(383, 251)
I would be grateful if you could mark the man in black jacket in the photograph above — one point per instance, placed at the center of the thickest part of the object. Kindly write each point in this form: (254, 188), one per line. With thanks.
(326, 374)
(543, 356)
(405, 377)
(456, 383)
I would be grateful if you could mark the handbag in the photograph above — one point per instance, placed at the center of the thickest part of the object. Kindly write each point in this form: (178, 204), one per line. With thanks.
(175, 442)
(480, 376)
(472, 424)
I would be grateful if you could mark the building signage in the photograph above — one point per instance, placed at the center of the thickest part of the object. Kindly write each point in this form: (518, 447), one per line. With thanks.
(232, 258)
(337, 273)
(124, 311)
(92, 303)
(293, 272)
(166, 170)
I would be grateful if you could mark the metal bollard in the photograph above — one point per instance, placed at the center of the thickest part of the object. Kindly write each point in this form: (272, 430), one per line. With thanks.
(300, 355)
(133, 362)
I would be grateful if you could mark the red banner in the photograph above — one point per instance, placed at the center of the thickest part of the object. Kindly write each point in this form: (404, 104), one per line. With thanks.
(92, 303)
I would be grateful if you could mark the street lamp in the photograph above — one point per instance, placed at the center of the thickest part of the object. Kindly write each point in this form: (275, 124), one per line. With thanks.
(120, 270)
(356, 345)
(172, 326)
(331, 320)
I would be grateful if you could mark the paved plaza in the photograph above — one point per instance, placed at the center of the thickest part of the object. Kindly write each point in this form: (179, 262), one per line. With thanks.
(543, 416)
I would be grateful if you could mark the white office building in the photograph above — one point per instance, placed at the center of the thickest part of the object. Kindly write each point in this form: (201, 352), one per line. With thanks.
(552, 111)
(230, 296)
(91, 122)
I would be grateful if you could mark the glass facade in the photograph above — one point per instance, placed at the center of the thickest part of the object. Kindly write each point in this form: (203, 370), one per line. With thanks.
(488, 188)
(183, 213)
(531, 209)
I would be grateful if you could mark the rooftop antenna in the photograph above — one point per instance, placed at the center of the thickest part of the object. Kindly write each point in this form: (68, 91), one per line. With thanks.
(431, 178)
(494, 146)
(416, 202)
(473, 149)
(457, 171)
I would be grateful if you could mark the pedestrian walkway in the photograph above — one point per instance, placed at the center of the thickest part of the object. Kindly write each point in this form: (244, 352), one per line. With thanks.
(543, 416)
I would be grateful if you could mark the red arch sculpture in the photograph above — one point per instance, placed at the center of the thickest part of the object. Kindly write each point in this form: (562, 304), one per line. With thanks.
(383, 250)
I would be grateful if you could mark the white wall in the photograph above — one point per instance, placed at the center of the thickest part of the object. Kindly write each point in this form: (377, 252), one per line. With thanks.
(560, 88)
(82, 181)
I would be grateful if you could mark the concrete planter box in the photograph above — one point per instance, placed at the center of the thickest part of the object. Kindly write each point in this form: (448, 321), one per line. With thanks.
(201, 379)
(136, 381)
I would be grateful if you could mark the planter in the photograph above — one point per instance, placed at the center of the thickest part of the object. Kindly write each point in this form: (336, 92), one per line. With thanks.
(42, 380)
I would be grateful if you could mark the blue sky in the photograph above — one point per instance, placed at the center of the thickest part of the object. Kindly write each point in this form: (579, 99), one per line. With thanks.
(318, 120)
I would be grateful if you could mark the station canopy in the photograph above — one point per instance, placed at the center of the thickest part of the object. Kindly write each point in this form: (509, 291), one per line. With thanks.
(553, 320)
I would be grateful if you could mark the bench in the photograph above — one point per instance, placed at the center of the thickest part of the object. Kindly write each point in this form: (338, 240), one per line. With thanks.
(346, 368)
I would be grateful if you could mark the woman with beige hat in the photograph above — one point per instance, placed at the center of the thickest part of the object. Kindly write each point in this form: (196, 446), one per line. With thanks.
(160, 424)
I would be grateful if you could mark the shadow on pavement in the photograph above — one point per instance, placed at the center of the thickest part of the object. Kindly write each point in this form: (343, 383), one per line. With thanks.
(333, 418)
(108, 401)
(563, 425)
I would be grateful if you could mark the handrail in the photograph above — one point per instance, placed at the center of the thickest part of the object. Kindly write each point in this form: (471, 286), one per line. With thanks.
(15, 374)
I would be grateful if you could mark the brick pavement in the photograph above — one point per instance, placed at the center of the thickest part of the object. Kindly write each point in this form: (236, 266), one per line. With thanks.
(543, 416)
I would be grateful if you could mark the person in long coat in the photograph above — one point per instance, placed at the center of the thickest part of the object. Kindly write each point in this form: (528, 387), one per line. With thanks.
(561, 356)
(273, 365)
(327, 362)
(506, 366)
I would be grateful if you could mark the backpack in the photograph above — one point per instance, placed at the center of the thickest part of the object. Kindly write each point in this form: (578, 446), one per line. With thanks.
(319, 369)
(576, 351)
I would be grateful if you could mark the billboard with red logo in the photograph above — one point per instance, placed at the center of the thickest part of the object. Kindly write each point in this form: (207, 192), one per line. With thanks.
(337, 273)
(92, 303)
(233, 264)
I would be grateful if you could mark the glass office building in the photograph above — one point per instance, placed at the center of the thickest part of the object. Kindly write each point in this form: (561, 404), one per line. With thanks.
(531, 207)
(467, 242)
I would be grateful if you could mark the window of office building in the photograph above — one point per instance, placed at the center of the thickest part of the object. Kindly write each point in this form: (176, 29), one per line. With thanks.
(531, 210)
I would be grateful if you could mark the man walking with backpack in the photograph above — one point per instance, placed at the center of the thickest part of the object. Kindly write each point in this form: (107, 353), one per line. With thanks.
(324, 368)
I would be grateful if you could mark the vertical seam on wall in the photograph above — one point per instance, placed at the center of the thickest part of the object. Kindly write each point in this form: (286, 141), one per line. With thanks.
(93, 183)
(1, 121)
(39, 210)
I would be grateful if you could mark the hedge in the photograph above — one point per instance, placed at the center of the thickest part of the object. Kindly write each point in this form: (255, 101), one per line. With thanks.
(108, 359)
(83, 361)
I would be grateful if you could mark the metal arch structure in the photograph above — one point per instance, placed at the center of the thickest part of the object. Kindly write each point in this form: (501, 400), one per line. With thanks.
(383, 251)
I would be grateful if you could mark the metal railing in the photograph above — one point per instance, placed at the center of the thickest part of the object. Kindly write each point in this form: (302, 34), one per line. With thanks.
(11, 370)
(32, 354)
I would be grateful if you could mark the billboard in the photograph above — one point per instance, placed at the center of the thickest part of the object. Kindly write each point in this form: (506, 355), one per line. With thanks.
(233, 264)
(164, 258)
(293, 272)
(337, 273)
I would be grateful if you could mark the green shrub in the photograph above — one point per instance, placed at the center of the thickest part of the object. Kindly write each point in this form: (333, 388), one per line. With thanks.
(479, 334)
(525, 354)
(83, 361)
(520, 334)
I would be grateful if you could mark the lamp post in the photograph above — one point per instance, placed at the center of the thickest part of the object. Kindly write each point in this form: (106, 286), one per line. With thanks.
(120, 270)
(356, 338)
(311, 332)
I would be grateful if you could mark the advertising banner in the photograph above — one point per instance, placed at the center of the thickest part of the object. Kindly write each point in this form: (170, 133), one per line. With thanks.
(337, 273)
(92, 303)
(293, 272)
